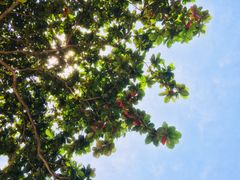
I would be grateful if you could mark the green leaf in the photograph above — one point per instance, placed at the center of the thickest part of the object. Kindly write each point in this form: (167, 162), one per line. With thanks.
(164, 125)
(156, 141)
(184, 92)
(171, 129)
(169, 43)
(143, 82)
(62, 151)
(178, 135)
(170, 144)
(148, 139)
(67, 164)
(22, 1)
(167, 99)
(49, 133)
(90, 135)
(153, 36)
(159, 40)
(92, 174)
(164, 93)
(171, 67)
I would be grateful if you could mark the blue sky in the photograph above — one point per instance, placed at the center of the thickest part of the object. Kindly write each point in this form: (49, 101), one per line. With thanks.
(209, 120)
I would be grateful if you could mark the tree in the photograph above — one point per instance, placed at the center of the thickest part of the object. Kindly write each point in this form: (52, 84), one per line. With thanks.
(61, 95)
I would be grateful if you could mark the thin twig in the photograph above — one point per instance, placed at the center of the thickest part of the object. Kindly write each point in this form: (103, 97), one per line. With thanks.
(30, 69)
(25, 106)
(69, 36)
(7, 11)
(90, 99)
(135, 6)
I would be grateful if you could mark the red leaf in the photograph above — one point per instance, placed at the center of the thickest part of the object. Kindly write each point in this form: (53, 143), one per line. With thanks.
(195, 15)
(121, 105)
(65, 11)
(137, 123)
(188, 25)
(118, 101)
(133, 94)
(125, 113)
(164, 139)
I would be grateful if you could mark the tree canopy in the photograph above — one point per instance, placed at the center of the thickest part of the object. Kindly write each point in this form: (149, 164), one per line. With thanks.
(72, 73)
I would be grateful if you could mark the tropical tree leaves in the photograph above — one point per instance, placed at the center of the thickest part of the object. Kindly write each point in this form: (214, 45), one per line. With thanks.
(61, 96)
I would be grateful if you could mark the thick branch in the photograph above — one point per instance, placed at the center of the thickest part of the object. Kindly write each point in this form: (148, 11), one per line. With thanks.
(7, 11)
(26, 108)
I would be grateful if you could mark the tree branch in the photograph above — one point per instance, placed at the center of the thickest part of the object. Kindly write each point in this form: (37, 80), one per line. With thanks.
(42, 70)
(26, 108)
(37, 52)
(7, 11)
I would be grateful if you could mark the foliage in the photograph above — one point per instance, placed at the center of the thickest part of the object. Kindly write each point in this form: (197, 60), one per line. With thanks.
(60, 95)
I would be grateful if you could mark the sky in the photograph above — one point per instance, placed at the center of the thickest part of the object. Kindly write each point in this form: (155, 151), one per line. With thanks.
(209, 119)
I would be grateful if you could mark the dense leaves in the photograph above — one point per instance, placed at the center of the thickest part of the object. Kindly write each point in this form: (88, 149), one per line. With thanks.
(72, 73)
